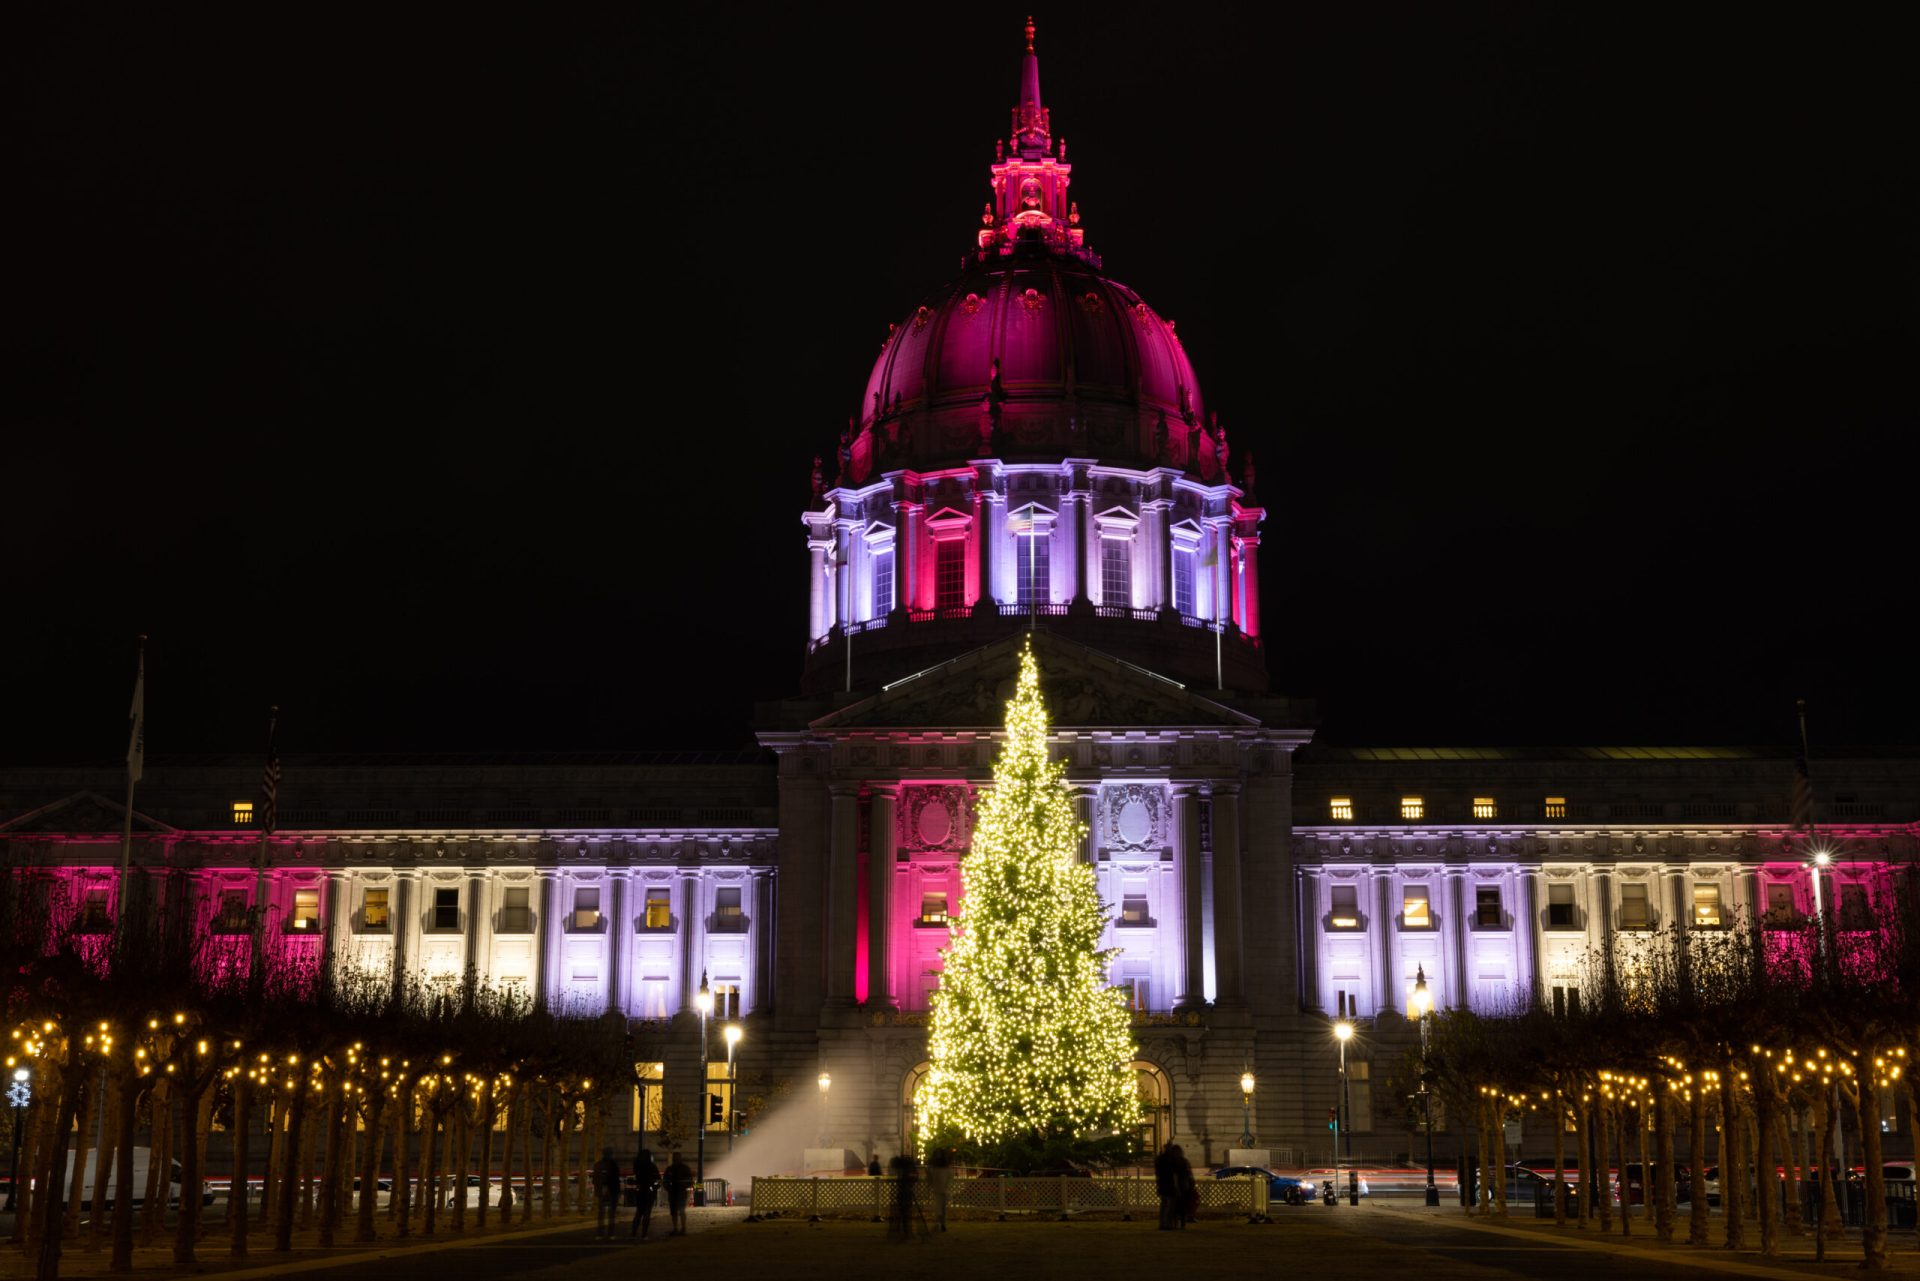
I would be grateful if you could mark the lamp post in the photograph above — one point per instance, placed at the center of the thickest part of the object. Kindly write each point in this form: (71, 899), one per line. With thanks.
(1343, 1032)
(703, 1002)
(1246, 1109)
(19, 1096)
(1423, 1010)
(825, 1083)
(732, 1035)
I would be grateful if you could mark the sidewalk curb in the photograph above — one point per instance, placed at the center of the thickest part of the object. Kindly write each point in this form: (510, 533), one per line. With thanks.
(375, 1253)
(1680, 1258)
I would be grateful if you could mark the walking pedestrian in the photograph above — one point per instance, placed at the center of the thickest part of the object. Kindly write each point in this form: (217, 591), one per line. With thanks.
(1186, 1193)
(606, 1185)
(940, 1184)
(679, 1178)
(905, 1176)
(646, 1184)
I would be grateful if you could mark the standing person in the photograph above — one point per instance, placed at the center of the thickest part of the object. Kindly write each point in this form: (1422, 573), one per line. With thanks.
(905, 1171)
(940, 1183)
(1186, 1193)
(646, 1185)
(1165, 1185)
(679, 1178)
(606, 1186)
(873, 1165)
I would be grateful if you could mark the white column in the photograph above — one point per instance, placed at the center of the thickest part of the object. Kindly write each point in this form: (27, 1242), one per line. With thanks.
(1385, 996)
(405, 923)
(1186, 813)
(480, 926)
(618, 931)
(544, 964)
(1526, 930)
(1222, 571)
(1229, 953)
(843, 573)
(694, 934)
(761, 941)
(1066, 550)
(880, 860)
(906, 563)
(1250, 585)
(819, 617)
(1456, 937)
(842, 903)
(1090, 552)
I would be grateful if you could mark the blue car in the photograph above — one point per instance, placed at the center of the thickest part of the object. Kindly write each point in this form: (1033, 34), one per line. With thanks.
(1282, 1189)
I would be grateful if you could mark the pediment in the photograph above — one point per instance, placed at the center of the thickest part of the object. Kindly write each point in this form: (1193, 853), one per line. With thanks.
(1084, 688)
(82, 814)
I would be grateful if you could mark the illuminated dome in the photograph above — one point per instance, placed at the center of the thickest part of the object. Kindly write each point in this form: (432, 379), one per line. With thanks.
(1031, 450)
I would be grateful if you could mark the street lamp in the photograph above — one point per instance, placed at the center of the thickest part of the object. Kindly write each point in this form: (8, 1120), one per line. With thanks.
(1246, 1109)
(703, 1002)
(1423, 1010)
(1343, 1032)
(732, 1035)
(825, 1083)
(19, 1096)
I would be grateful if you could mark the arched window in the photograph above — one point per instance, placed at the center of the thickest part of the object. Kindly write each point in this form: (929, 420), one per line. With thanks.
(1156, 1104)
(910, 1086)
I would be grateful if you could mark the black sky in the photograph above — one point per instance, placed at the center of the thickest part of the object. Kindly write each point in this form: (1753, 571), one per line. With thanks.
(451, 379)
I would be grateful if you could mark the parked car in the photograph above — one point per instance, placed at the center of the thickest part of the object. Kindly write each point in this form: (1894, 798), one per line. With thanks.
(141, 1159)
(1282, 1189)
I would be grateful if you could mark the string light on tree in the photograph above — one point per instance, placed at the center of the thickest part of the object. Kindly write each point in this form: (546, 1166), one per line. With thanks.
(1028, 1038)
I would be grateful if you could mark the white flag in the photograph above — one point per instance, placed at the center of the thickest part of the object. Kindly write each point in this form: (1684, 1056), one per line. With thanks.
(137, 741)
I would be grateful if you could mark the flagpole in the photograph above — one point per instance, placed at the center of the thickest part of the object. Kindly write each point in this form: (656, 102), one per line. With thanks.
(136, 764)
(271, 803)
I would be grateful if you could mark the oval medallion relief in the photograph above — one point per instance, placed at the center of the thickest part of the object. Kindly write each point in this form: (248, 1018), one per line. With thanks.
(935, 824)
(1135, 824)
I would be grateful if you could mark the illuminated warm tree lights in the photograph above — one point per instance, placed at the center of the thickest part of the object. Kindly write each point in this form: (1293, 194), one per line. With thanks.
(1027, 1037)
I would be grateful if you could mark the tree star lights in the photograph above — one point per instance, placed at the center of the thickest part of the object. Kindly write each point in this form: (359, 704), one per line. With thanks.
(1028, 1038)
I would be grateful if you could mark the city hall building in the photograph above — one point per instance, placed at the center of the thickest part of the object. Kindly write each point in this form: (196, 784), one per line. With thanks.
(1033, 455)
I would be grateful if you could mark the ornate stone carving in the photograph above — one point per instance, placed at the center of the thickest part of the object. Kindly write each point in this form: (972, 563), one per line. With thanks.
(934, 818)
(1134, 816)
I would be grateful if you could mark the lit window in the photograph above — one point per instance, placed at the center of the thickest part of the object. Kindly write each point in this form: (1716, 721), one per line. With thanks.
(1485, 807)
(933, 908)
(1183, 582)
(306, 911)
(1412, 807)
(1137, 992)
(373, 909)
(650, 1095)
(1486, 907)
(446, 909)
(653, 996)
(586, 907)
(726, 999)
(727, 913)
(659, 910)
(1340, 809)
(1556, 807)
(242, 813)
(1346, 908)
(950, 573)
(1560, 907)
(882, 603)
(1706, 907)
(516, 913)
(1133, 910)
(1635, 912)
(1414, 914)
(1034, 561)
(1116, 573)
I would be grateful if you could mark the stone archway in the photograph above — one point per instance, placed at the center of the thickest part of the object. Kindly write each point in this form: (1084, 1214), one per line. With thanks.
(910, 1086)
(1156, 1104)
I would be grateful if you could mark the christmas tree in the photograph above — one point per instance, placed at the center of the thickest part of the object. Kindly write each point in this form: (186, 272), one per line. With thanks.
(1028, 1039)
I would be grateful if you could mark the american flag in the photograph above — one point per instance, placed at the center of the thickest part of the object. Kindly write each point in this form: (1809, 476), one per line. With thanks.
(270, 780)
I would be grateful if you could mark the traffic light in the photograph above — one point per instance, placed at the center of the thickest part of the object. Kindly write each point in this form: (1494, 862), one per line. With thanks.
(1333, 1118)
(716, 1110)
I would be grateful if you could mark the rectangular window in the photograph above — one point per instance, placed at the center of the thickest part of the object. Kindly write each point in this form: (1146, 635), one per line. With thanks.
(933, 908)
(232, 918)
(1485, 807)
(659, 910)
(1566, 1000)
(1033, 553)
(1116, 573)
(1133, 910)
(1414, 914)
(649, 1097)
(1486, 907)
(1780, 908)
(653, 996)
(1560, 907)
(882, 603)
(726, 999)
(727, 913)
(1635, 913)
(242, 813)
(94, 916)
(1183, 582)
(446, 909)
(1853, 907)
(516, 915)
(305, 918)
(586, 907)
(373, 909)
(1346, 908)
(1412, 807)
(950, 573)
(1556, 807)
(1706, 907)
(1137, 992)
(1340, 809)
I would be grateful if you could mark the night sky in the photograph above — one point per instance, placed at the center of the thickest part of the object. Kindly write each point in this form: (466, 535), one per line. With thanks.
(452, 379)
